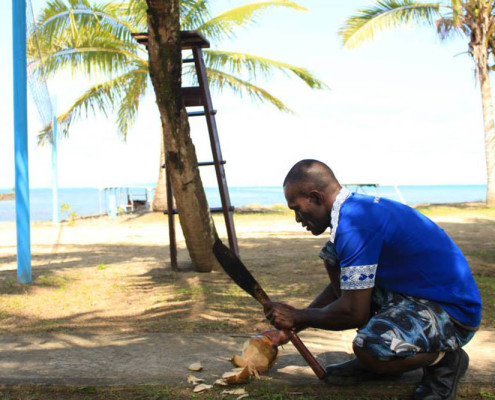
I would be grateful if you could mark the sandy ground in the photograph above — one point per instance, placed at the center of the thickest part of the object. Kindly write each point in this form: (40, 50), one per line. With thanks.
(115, 274)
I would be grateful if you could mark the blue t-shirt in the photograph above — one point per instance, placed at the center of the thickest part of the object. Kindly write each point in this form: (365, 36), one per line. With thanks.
(385, 243)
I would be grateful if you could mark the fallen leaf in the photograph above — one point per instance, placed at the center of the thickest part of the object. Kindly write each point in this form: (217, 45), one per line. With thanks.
(195, 367)
(235, 391)
(243, 396)
(201, 388)
(220, 382)
(194, 380)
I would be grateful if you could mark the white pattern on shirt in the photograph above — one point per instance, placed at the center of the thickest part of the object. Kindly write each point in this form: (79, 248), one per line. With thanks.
(358, 277)
(334, 216)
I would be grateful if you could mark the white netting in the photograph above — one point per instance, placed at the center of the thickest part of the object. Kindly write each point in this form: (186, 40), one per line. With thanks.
(36, 82)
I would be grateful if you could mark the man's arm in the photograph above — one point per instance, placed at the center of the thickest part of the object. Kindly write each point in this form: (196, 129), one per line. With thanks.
(332, 290)
(326, 297)
(350, 310)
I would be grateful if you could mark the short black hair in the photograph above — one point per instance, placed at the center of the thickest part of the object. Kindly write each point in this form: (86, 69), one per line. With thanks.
(311, 171)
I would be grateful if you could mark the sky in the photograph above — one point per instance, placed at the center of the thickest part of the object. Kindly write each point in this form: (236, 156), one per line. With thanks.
(404, 110)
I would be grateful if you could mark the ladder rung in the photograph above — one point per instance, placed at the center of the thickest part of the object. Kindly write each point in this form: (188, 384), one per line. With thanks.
(188, 39)
(187, 60)
(212, 210)
(206, 163)
(199, 113)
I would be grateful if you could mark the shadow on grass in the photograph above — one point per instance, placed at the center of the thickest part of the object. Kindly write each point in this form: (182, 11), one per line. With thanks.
(287, 267)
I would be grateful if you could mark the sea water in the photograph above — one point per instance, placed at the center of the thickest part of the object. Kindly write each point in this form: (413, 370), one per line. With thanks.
(90, 201)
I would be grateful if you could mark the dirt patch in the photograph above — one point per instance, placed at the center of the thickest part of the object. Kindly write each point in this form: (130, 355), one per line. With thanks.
(7, 196)
(101, 274)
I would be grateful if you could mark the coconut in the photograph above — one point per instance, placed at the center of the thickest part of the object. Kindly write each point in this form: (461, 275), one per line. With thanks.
(258, 353)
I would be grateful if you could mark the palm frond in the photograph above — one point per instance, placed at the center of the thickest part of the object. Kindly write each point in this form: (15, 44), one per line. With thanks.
(448, 28)
(386, 14)
(102, 97)
(223, 25)
(93, 61)
(84, 38)
(456, 12)
(136, 13)
(255, 65)
(129, 104)
(193, 13)
(220, 80)
(60, 19)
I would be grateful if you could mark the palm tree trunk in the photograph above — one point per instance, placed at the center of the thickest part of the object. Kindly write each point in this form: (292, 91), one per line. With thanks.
(480, 20)
(160, 196)
(488, 121)
(180, 155)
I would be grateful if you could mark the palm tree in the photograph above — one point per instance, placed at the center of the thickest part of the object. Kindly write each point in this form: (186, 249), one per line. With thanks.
(97, 40)
(472, 19)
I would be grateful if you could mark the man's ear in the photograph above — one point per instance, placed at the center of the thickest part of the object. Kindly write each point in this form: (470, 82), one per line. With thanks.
(316, 197)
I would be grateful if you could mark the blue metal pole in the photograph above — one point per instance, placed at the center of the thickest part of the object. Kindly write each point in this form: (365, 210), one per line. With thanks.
(55, 212)
(21, 142)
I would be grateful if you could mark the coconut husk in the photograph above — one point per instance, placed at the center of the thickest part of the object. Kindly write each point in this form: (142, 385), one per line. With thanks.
(195, 367)
(258, 353)
(238, 377)
(193, 380)
(235, 391)
(201, 388)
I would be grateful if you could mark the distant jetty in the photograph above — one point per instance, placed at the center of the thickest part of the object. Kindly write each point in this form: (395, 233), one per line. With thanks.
(7, 196)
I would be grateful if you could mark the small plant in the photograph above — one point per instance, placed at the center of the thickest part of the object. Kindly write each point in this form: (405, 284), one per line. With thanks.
(101, 267)
(67, 212)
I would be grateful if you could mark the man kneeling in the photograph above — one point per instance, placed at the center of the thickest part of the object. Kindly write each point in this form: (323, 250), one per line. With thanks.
(394, 275)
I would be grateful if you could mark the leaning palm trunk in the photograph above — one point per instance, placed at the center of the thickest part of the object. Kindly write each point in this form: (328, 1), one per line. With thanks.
(160, 196)
(180, 155)
(488, 122)
(480, 24)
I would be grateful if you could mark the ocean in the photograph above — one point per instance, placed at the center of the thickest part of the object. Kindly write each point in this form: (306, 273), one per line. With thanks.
(89, 201)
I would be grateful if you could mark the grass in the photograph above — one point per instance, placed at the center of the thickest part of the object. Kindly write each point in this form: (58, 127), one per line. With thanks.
(486, 285)
(263, 390)
(475, 210)
(485, 255)
(106, 286)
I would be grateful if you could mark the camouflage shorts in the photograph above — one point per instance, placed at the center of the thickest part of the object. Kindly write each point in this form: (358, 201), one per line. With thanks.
(402, 326)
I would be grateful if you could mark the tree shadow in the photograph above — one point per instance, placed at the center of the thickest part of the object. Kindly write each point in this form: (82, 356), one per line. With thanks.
(286, 265)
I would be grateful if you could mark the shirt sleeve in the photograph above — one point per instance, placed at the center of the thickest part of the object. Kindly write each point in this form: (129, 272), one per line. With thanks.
(359, 251)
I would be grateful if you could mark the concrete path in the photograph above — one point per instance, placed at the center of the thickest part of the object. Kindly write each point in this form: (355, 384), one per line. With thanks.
(160, 358)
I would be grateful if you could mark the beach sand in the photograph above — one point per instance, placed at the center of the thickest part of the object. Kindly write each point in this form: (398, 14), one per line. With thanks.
(115, 274)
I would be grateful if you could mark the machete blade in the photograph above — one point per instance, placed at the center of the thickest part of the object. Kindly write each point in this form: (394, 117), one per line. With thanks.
(238, 272)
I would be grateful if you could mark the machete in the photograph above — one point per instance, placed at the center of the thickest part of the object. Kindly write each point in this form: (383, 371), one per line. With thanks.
(240, 275)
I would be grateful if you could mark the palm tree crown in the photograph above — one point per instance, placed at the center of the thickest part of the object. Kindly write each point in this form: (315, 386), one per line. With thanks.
(471, 19)
(97, 40)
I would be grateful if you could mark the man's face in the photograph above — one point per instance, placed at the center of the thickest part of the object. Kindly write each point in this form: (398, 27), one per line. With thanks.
(309, 209)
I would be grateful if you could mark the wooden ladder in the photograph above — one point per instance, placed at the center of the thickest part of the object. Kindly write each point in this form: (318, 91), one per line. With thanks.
(194, 97)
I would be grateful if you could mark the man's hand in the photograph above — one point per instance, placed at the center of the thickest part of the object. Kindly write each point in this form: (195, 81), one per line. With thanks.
(281, 316)
(277, 337)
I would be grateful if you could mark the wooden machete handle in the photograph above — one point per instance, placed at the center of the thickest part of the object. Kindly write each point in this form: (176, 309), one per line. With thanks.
(319, 371)
(306, 354)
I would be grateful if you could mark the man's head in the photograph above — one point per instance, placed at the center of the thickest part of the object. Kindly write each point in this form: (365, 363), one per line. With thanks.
(310, 189)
